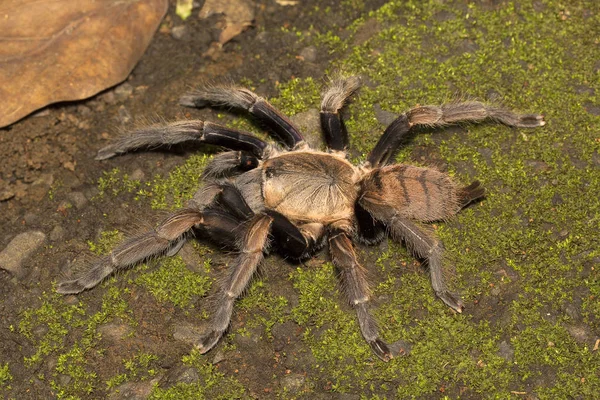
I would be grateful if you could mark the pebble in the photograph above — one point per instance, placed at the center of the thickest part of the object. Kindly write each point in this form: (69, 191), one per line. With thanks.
(187, 375)
(138, 175)
(179, 32)
(123, 91)
(309, 123)
(133, 390)
(21, 247)
(187, 333)
(6, 194)
(506, 351)
(309, 54)
(114, 331)
(57, 234)
(78, 199)
(293, 382)
(384, 117)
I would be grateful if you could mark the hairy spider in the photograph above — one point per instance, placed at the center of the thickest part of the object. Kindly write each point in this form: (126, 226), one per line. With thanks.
(298, 198)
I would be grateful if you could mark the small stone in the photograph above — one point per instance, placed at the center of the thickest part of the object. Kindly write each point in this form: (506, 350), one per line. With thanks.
(64, 379)
(179, 32)
(57, 234)
(123, 91)
(579, 332)
(124, 115)
(309, 123)
(70, 165)
(220, 356)
(6, 194)
(108, 97)
(506, 351)
(187, 333)
(114, 331)
(293, 382)
(84, 110)
(78, 199)
(133, 390)
(188, 375)
(309, 54)
(384, 117)
(138, 175)
(39, 188)
(21, 247)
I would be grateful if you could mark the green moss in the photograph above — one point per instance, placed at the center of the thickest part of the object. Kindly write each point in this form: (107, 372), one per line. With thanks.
(534, 233)
(169, 192)
(48, 324)
(107, 240)
(263, 308)
(171, 282)
(179, 186)
(5, 377)
(142, 366)
(115, 183)
(298, 95)
(211, 383)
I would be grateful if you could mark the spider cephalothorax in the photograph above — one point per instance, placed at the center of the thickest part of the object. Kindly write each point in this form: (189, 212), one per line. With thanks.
(299, 199)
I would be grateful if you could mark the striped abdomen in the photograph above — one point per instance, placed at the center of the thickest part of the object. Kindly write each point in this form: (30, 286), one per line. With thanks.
(422, 194)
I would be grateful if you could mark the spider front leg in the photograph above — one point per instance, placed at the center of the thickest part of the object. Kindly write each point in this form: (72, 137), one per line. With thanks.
(356, 288)
(249, 101)
(184, 131)
(334, 129)
(254, 242)
(166, 238)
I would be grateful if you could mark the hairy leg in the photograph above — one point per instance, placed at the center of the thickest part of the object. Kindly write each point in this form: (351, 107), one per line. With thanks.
(185, 131)
(356, 289)
(229, 163)
(421, 243)
(166, 238)
(249, 101)
(254, 242)
(472, 111)
(336, 135)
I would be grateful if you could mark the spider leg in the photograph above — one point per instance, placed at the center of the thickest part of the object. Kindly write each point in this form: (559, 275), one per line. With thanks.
(166, 237)
(421, 243)
(472, 111)
(334, 129)
(254, 243)
(184, 131)
(249, 101)
(356, 288)
(426, 246)
(229, 163)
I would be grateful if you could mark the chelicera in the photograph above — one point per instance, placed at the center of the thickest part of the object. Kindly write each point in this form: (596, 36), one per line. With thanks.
(298, 199)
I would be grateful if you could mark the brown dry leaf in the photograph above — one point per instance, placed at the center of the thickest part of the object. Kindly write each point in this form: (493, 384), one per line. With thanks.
(238, 15)
(61, 50)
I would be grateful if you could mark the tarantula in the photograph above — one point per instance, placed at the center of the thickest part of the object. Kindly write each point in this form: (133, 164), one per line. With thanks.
(298, 198)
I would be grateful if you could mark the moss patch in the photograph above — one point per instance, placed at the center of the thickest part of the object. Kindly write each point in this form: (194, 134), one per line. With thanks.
(529, 248)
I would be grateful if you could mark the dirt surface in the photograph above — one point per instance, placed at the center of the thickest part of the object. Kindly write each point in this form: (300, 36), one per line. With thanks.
(52, 205)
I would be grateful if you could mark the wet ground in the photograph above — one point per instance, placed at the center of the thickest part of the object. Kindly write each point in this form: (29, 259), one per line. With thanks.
(132, 338)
